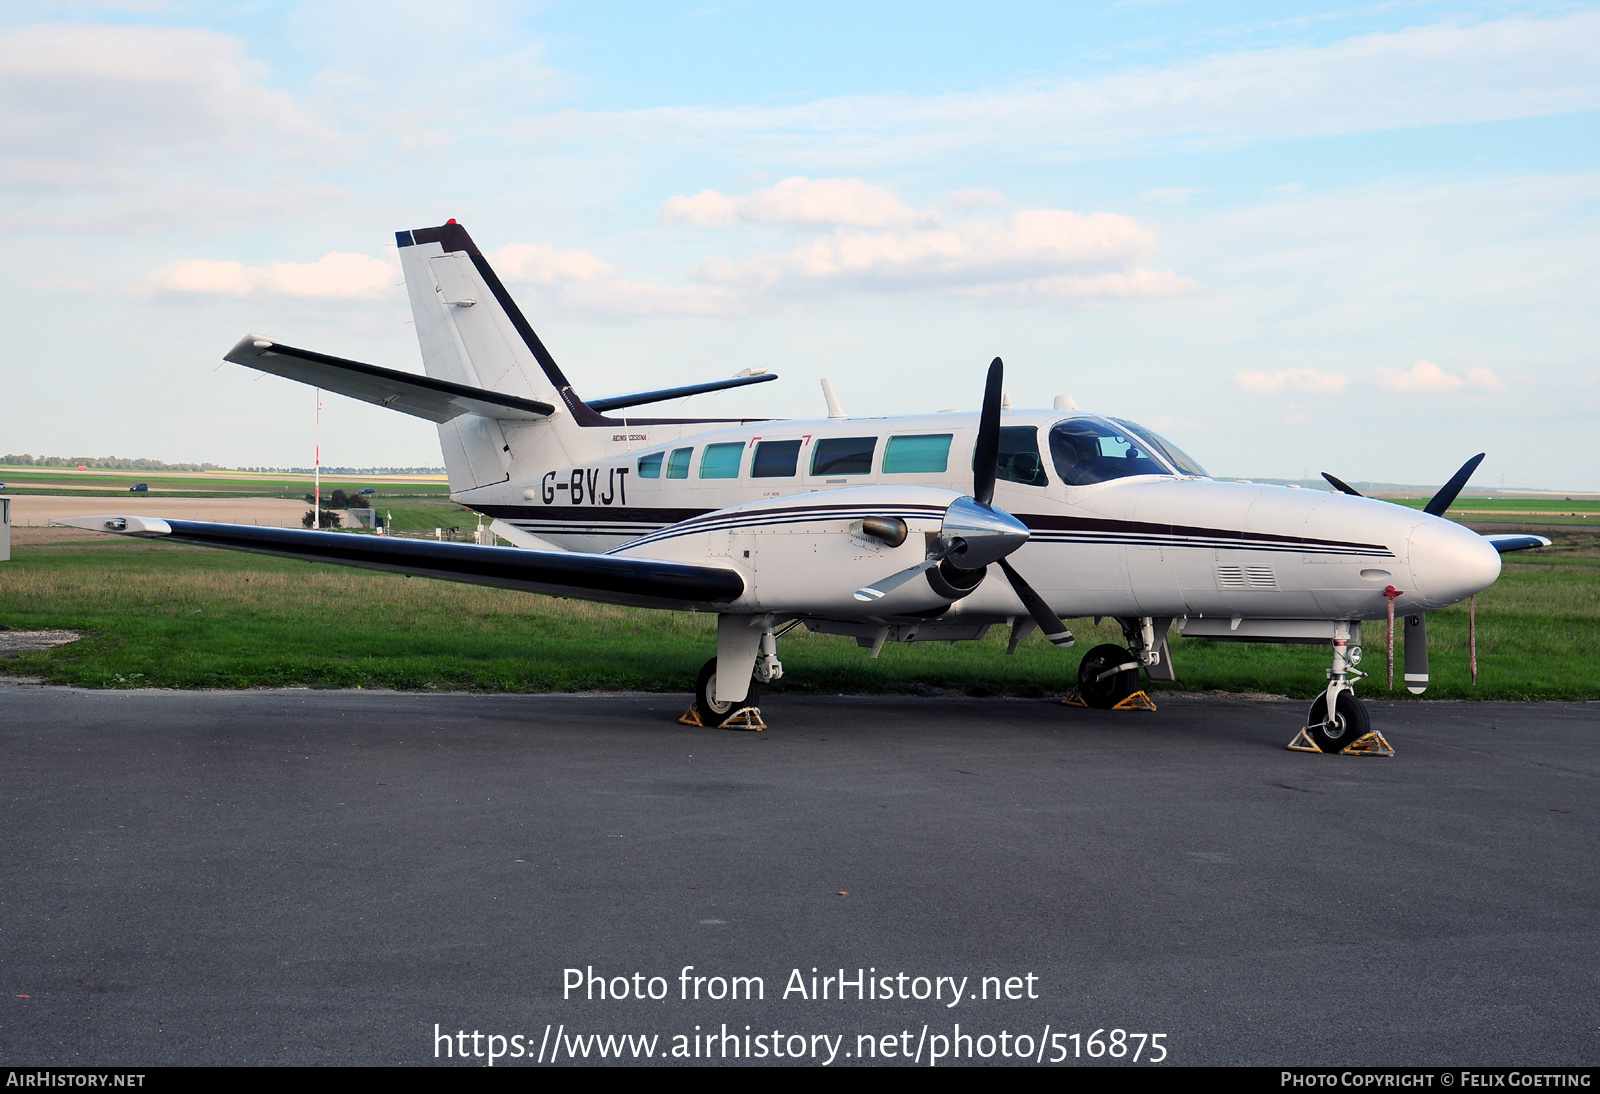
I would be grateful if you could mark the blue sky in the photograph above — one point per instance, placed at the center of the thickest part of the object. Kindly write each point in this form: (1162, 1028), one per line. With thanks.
(1294, 237)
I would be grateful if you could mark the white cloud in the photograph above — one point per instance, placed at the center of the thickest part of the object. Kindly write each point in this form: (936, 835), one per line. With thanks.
(967, 200)
(1038, 254)
(97, 108)
(1447, 73)
(1482, 377)
(581, 281)
(335, 276)
(1047, 251)
(1425, 377)
(1308, 381)
(796, 200)
(536, 264)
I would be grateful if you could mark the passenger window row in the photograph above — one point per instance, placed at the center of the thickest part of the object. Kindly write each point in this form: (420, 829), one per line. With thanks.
(916, 454)
(1083, 451)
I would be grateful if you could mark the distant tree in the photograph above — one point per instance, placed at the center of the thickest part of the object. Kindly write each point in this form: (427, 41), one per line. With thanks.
(330, 519)
(337, 500)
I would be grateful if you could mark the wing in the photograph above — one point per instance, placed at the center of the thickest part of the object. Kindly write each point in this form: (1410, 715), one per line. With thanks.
(419, 396)
(1511, 542)
(642, 582)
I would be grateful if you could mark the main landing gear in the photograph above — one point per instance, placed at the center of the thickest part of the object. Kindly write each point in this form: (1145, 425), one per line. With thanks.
(1108, 675)
(747, 651)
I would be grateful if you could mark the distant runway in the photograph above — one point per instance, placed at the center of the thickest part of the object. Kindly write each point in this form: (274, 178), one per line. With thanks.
(41, 509)
(325, 877)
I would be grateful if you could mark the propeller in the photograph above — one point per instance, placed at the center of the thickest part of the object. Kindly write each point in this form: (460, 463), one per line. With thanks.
(974, 532)
(1342, 486)
(1447, 493)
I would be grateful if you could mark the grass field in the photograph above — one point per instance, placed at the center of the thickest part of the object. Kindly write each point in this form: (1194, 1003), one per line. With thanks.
(219, 484)
(166, 615)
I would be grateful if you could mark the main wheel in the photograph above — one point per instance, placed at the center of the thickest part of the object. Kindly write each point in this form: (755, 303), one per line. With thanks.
(1107, 675)
(713, 713)
(1350, 722)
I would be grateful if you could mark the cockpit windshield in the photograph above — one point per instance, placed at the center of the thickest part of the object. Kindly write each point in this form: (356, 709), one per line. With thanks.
(1176, 456)
(1090, 450)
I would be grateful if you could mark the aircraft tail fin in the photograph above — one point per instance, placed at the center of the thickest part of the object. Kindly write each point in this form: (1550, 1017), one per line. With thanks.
(473, 334)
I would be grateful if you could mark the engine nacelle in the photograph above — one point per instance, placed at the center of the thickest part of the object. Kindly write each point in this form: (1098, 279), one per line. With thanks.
(810, 552)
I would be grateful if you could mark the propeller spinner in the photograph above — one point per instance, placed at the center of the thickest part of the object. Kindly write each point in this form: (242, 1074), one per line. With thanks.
(975, 533)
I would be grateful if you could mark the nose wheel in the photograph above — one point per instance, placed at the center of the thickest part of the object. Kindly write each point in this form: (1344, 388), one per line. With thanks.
(1350, 722)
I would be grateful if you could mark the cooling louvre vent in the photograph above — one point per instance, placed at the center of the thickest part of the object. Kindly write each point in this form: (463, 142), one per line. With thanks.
(1246, 577)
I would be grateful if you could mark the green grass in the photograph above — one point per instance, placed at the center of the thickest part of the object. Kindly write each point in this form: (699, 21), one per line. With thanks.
(218, 484)
(172, 616)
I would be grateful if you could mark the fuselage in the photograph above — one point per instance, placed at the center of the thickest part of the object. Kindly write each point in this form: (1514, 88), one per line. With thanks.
(1151, 537)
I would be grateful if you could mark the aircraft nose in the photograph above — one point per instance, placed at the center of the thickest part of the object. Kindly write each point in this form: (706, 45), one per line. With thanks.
(1450, 562)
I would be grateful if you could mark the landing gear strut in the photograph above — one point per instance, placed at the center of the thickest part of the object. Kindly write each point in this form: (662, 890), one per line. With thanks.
(1338, 720)
(748, 647)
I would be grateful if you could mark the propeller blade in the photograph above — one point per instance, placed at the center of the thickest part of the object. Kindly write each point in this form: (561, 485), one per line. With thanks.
(1447, 493)
(879, 589)
(1342, 486)
(1417, 654)
(986, 453)
(1049, 623)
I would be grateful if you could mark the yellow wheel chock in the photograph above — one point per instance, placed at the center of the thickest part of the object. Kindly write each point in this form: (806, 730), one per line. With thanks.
(1137, 701)
(743, 718)
(1372, 744)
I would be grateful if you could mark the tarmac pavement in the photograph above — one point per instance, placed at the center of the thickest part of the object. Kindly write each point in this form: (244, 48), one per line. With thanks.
(345, 877)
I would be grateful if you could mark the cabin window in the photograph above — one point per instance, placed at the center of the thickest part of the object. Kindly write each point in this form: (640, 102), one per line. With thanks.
(927, 453)
(1019, 456)
(678, 463)
(721, 461)
(843, 456)
(650, 466)
(775, 460)
(1088, 450)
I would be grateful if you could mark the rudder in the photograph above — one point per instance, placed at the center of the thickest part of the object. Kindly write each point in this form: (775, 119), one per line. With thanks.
(471, 332)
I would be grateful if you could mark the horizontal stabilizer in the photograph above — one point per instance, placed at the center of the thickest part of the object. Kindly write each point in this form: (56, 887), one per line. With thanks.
(1511, 542)
(644, 582)
(617, 402)
(420, 396)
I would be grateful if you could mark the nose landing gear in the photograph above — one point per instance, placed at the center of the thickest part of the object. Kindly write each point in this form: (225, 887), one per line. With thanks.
(1338, 721)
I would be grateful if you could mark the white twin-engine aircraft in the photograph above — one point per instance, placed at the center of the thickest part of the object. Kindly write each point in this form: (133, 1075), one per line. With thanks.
(884, 529)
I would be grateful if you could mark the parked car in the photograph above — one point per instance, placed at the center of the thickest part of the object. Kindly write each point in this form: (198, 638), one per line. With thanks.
(139, 488)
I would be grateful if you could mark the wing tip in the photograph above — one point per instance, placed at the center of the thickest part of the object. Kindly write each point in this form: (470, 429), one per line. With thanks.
(119, 523)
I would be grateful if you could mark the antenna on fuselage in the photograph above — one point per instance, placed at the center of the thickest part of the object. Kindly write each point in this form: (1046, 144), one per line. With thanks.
(834, 409)
(1064, 402)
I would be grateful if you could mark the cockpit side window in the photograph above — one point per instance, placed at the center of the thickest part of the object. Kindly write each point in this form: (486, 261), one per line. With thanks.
(1087, 450)
(1019, 456)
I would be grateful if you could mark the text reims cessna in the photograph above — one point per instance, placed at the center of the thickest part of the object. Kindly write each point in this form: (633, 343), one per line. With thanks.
(884, 529)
